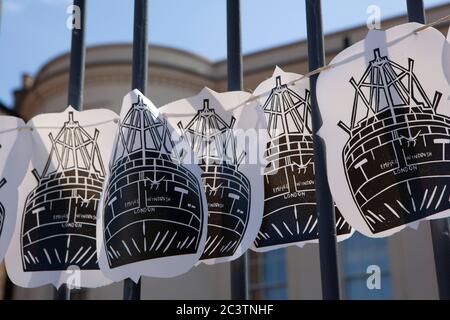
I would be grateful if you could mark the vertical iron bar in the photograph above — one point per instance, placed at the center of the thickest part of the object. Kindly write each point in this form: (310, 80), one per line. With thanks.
(441, 249)
(131, 290)
(439, 228)
(416, 11)
(325, 205)
(140, 46)
(234, 51)
(238, 267)
(62, 293)
(77, 59)
(76, 84)
(8, 289)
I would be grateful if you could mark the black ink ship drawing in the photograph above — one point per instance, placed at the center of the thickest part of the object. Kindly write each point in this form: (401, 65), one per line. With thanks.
(397, 158)
(153, 204)
(227, 189)
(289, 190)
(58, 226)
(2, 208)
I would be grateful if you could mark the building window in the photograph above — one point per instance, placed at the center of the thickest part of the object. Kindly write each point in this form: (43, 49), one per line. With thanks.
(267, 275)
(359, 253)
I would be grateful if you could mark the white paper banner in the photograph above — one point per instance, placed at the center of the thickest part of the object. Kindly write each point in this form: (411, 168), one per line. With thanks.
(154, 216)
(15, 154)
(387, 130)
(54, 241)
(290, 215)
(225, 134)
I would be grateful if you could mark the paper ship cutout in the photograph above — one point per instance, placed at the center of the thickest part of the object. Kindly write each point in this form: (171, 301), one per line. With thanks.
(227, 189)
(153, 205)
(2, 208)
(397, 158)
(58, 227)
(290, 213)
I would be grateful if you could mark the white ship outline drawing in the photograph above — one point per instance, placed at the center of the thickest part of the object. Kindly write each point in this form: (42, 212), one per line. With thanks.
(153, 203)
(59, 221)
(290, 214)
(227, 189)
(397, 157)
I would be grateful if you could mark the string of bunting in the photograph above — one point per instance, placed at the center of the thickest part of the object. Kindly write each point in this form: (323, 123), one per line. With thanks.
(261, 95)
(31, 128)
(129, 182)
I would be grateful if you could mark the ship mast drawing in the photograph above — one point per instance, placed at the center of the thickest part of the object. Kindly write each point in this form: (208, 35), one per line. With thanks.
(397, 157)
(153, 203)
(227, 189)
(58, 226)
(2, 208)
(289, 190)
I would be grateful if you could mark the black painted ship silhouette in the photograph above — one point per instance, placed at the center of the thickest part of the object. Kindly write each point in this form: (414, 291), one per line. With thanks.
(397, 158)
(2, 208)
(58, 226)
(153, 203)
(289, 190)
(227, 189)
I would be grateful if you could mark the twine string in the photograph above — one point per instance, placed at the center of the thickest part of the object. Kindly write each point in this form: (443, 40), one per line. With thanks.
(249, 100)
(31, 128)
(330, 66)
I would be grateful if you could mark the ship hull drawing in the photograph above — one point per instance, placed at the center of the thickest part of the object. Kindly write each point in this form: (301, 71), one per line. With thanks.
(153, 205)
(228, 208)
(59, 221)
(290, 213)
(227, 189)
(397, 159)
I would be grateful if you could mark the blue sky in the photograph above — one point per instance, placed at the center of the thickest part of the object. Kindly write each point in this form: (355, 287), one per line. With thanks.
(34, 31)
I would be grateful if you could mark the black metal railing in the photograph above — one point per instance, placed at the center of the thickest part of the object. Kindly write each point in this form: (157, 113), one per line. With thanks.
(131, 290)
(325, 206)
(439, 228)
(76, 83)
(239, 267)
